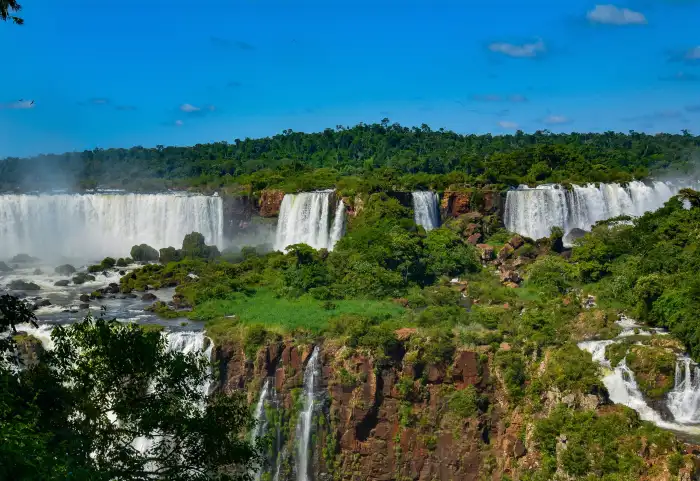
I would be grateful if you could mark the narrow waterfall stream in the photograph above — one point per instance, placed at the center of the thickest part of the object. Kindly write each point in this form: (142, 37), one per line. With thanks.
(683, 401)
(425, 209)
(304, 425)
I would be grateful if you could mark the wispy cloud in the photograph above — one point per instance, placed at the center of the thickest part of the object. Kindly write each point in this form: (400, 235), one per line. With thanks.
(19, 105)
(556, 120)
(179, 123)
(189, 108)
(526, 50)
(681, 77)
(612, 15)
(226, 43)
(692, 108)
(689, 56)
(505, 124)
(693, 53)
(500, 98)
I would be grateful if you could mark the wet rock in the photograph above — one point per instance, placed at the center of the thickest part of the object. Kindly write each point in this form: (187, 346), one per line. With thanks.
(82, 278)
(61, 283)
(24, 259)
(22, 285)
(84, 306)
(65, 270)
(84, 298)
(574, 234)
(149, 297)
(37, 272)
(113, 288)
(5, 268)
(43, 303)
(29, 348)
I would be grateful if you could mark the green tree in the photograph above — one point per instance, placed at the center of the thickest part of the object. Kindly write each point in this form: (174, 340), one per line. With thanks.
(105, 388)
(6, 9)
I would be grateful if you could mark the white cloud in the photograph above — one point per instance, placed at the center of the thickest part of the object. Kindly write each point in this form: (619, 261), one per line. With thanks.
(556, 119)
(693, 53)
(179, 123)
(512, 50)
(189, 108)
(19, 105)
(612, 15)
(507, 125)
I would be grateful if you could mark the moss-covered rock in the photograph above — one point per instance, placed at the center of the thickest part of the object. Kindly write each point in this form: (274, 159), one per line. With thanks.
(22, 285)
(28, 347)
(616, 352)
(65, 270)
(654, 368)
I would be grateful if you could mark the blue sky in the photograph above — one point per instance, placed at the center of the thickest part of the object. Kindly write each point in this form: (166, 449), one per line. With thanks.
(112, 73)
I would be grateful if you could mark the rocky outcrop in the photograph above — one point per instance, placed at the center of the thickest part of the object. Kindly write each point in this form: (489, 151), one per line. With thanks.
(238, 211)
(270, 202)
(456, 202)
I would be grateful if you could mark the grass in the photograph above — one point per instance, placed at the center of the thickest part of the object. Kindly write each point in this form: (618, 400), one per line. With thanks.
(283, 314)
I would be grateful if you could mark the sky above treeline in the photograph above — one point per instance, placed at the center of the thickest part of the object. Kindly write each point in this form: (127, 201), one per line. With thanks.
(119, 73)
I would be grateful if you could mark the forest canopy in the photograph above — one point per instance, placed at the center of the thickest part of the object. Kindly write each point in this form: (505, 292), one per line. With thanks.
(366, 157)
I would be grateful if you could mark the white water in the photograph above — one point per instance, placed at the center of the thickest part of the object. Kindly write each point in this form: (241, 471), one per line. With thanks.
(93, 226)
(425, 209)
(622, 387)
(306, 219)
(303, 429)
(684, 400)
(260, 420)
(533, 212)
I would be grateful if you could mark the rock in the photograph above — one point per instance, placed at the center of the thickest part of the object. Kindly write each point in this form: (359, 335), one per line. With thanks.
(43, 303)
(405, 332)
(5, 268)
(505, 252)
(510, 276)
(516, 241)
(22, 285)
(84, 306)
(65, 270)
(487, 252)
(82, 278)
(84, 298)
(113, 288)
(574, 234)
(37, 272)
(61, 283)
(270, 202)
(455, 203)
(519, 448)
(23, 259)
(474, 239)
(149, 297)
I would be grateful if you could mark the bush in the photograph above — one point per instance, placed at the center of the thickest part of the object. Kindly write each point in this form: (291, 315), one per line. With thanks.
(254, 339)
(169, 254)
(464, 403)
(121, 262)
(552, 274)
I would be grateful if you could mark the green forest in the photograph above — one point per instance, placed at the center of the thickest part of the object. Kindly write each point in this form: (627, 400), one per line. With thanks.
(363, 158)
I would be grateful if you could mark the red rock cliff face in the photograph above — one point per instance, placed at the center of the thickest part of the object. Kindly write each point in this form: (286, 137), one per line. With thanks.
(270, 202)
(379, 421)
(458, 202)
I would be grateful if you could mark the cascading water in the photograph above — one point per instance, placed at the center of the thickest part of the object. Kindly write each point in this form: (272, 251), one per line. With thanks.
(684, 400)
(305, 219)
(93, 226)
(425, 209)
(622, 387)
(533, 212)
(304, 425)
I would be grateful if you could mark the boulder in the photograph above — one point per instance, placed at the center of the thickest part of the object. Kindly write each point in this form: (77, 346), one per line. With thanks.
(84, 298)
(474, 239)
(510, 276)
(516, 241)
(505, 252)
(82, 278)
(84, 306)
(37, 272)
(22, 285)
(43, 303)
(5, 268)
(574, 234)
(65, 270)
(113, 288)
(487, 252)
(61, 283)
(149, 297)
(23, 259)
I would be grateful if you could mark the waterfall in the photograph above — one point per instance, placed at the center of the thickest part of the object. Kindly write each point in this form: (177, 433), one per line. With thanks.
(304, 424)
(533, 212)
(425, 209)
(684, 400)
(305, 219)
(261, 420)
(93, 226)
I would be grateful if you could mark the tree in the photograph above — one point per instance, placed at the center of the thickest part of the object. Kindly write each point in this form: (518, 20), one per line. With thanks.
(110, 401)
(6, 9)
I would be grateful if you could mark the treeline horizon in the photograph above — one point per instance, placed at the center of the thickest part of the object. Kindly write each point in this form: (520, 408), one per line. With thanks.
(366, 157)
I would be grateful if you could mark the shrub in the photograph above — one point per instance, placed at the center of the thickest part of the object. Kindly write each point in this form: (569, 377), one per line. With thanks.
(464, 402)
